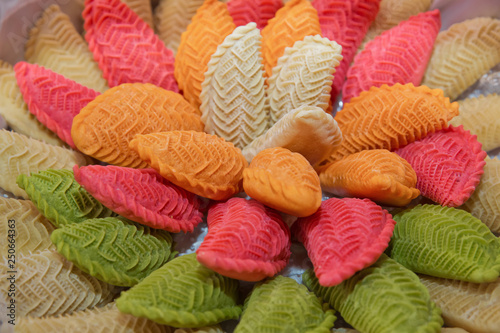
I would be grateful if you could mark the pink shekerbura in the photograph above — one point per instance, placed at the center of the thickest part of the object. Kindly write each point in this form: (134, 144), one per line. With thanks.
(141, 195)
(399, 55)
(449, 164)
(343, 237)
(246, 240)
(258, 11)
(345, 22)
(125, 47)
(52, 98)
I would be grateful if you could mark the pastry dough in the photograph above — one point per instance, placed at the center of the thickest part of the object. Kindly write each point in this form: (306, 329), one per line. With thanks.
(234, 102)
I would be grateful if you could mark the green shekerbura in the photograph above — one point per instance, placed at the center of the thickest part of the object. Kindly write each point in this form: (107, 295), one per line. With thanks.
(183, 293)
(60, 198)
(281, 305)
(445, 242)
(114, 250)
(383, 298)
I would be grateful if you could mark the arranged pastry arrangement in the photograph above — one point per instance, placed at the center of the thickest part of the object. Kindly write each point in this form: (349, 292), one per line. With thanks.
(195, 115)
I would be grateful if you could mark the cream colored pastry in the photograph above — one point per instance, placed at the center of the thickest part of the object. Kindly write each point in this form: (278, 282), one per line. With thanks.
(141, 8)
(22, 155)
(55, 44)
(462, 54)
(307, 130)
(234, 103)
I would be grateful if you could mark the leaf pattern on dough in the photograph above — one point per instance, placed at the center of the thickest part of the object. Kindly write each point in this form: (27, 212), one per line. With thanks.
(207, 329)
(183, 293)
(15, 111)
(96, 320)
(445, 242)
(258, 11)
(481, 116)
(392, 12)
(114, 249)
(52, 98)
(142, 195)
(172, 18)
(283, 180)
(60, 198)
(104, 128)
(207, 30)
(385, 297)
(398, 55)
(484, 203)
(377, 174)
(22, 155)
(449, 164)
(307, 130)
(55, 44)
(344, 236)
(125, 47)
(234, 104)
(473, 306)
(245, 241)
(47, 285)
(201, 163)
(389, 117)
(303, 76)
(32, 229)
(296, 20)
(282, 302)
(462, 54)
(345, 22)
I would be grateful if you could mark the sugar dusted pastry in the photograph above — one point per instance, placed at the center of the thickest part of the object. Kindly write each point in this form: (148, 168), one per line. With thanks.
(60, 198)
(303, 76)
(343, 237)
(282, 302)
(481, 116)
(141, 8)
(113, 249)
(377, 174)
(97, 320)
(142, 195)
(472, 306)
(246, 240)
(392, 12)
(171, 19)
(125, 47)
(283, 180)
(47, 285)
(207, 30)
(201, 163)
(484, 203)
(55, 44)
(15, 111)
(52, 98)
(234, 101)
(22, 155)
(258, 11)
(385, 297)
(307, 130)
(208, 297)
(445, 242)
(296, 20)
(449, 164)
(345, 22)
(462, 54)
(104, 128)
(390, 117)
(32, 229)
(398, 55)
